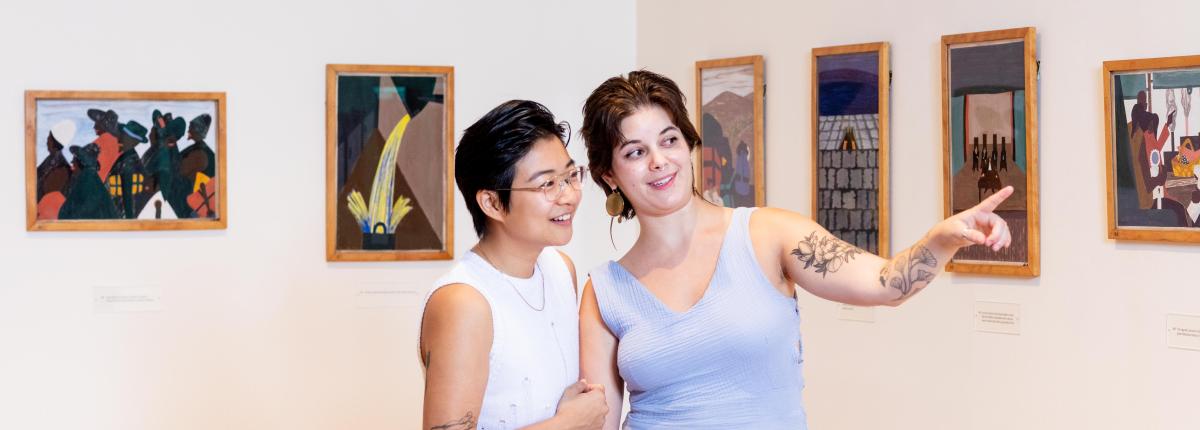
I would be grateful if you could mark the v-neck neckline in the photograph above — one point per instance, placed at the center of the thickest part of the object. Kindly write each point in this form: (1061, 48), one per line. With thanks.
(707, 288)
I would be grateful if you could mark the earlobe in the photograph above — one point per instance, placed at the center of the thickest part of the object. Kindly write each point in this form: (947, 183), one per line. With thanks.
(608, 179)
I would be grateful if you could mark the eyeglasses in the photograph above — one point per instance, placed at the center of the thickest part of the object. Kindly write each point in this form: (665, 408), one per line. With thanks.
(553, 187)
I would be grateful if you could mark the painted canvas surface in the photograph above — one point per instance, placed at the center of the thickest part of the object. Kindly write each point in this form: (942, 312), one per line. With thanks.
(110, 160)
(1156, 144)
(988, 138)
(727, 123)
(848, 146)
(391, 152)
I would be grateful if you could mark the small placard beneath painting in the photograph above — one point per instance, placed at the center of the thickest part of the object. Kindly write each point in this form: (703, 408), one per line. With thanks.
(1183, 331)
(124, 299)
(993, 317)
(388, 295)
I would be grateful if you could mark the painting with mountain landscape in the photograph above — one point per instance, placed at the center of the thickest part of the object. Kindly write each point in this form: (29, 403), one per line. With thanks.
(729, 116)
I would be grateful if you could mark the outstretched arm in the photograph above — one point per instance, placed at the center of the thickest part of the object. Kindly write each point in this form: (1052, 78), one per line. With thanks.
(835, 270)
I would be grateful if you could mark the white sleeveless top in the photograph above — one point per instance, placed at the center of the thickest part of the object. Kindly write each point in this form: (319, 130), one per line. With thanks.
(534, 354)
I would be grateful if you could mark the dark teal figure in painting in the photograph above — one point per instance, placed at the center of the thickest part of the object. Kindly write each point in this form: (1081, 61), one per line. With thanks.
(743, 188)
(87, 197)
(127, 180)
(164, 162)
(158, 124)
(721, 171)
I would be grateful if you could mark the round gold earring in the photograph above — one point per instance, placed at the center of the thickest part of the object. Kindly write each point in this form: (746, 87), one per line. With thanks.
(615, 204)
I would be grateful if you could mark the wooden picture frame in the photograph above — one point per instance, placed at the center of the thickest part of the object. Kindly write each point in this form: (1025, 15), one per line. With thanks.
(984, 75)
(123, 138)
(1140, 160)
(370, 111)
(850, 147)
(738, 92)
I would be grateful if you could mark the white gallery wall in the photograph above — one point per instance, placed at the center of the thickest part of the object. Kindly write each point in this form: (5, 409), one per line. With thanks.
(256, 330)
(1091, 353)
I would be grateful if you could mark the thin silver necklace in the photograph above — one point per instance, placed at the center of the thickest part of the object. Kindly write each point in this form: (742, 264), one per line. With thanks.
(514, 286)
(553, 330)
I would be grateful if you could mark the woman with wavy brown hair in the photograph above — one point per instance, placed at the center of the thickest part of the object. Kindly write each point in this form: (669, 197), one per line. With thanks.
(699, 319)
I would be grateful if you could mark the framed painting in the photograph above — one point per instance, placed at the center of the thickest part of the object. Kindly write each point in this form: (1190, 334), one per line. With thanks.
(729, 117)
(124, 161)
(1152, 154)
(850, 143)
(989, 135)
(389, 170)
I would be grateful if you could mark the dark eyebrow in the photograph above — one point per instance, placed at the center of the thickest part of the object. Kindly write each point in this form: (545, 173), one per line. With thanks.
(547, 171)
(664, 131)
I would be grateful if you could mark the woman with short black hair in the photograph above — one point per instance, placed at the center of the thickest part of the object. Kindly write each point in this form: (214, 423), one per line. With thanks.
(499, 332)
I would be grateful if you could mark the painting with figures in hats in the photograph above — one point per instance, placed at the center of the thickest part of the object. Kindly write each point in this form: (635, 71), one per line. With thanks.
(389, 163)
(106, 161)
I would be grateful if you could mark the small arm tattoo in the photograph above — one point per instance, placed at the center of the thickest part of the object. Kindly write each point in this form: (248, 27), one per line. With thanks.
(825, 254)
(467, 422)
(903, 273)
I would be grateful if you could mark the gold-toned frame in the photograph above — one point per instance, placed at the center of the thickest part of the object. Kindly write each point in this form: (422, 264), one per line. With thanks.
(332, 71)
(32, 98)
(1032, 267)
(1149, 234)
(760, 194)
(882, 163)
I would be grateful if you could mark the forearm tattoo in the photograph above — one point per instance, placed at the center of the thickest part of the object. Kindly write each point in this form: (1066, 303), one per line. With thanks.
(467, 422)
(903, 273)
(825, 254)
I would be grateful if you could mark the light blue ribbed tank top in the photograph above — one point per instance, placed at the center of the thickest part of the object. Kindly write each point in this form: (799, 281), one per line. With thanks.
(732, 361)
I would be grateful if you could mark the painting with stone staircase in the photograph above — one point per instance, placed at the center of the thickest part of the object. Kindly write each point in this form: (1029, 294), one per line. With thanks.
(850, 153)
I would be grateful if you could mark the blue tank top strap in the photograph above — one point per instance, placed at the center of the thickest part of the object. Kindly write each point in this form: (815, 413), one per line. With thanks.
(614, 296)
(741, 252)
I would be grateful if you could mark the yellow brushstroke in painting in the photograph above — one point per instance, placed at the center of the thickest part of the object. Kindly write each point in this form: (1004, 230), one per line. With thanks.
(382, 213)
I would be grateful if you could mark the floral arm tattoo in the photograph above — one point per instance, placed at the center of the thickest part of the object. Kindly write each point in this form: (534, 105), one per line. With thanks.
(910, 271)
(825, 254)
(467, 422)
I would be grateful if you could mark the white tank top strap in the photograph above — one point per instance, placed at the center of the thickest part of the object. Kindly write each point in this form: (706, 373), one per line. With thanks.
(466, 271)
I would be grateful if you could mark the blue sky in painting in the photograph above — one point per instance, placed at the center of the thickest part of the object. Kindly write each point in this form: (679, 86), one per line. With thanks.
(848, 84)
(51, 112)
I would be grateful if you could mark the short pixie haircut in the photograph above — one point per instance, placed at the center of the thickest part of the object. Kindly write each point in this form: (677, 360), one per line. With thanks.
(490, 148)
(618, 98)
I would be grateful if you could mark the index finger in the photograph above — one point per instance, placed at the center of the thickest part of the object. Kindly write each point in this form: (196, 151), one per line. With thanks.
(993, 201)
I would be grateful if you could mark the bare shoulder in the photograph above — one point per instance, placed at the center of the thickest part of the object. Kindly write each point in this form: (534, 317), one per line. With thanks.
(458, 304)
(779, 223)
